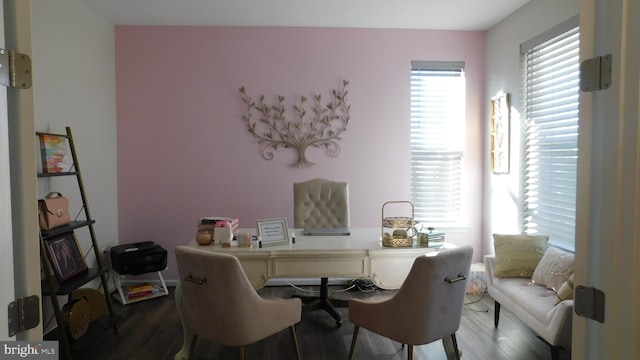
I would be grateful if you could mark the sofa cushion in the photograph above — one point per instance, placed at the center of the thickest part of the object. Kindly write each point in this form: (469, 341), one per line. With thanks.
(566, 290)
(518, 255)
(554, 268)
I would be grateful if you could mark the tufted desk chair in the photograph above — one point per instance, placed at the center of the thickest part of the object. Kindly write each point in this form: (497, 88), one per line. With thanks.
(427, 307)
(321, 203)
(221, 306)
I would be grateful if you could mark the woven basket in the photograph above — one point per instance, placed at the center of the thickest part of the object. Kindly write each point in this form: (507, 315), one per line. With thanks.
(95, 299)
(398, 222)
(76, 317)
(389, 241)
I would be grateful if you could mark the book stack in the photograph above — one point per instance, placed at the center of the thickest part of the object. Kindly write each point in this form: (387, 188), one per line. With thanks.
(138, 291)
(218, 221)
(221, 228)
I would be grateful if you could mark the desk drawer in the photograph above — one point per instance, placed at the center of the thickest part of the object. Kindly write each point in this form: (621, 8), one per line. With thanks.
(257, 271)
(320, 267)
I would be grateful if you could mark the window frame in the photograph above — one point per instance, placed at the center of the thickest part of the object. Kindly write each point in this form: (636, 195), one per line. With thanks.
(549, 135)
(437, 165)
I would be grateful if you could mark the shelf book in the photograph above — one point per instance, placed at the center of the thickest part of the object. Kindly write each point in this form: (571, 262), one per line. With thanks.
(138, 292)
(134, 292)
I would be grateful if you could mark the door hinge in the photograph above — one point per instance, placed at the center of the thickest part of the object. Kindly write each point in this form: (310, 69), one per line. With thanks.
(595, 73)
(15, 69)
(24, 314)
(589, 303)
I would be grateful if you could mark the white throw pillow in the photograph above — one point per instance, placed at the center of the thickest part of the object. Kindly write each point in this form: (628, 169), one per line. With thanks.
(555, 267)
(518, 255)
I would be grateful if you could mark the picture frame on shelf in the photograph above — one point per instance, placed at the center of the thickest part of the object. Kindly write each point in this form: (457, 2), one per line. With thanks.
(65, 256)
(55, 153)
(273, 232)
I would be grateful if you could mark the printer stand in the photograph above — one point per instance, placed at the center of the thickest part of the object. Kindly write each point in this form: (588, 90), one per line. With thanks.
(142, 292)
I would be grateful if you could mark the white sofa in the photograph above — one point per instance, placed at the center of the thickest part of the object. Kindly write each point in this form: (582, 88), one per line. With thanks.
(534, 304)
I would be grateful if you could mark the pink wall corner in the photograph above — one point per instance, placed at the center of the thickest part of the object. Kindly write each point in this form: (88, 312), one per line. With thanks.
(184, 152)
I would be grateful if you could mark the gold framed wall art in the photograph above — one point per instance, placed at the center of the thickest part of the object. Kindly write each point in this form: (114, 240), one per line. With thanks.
(500, 133)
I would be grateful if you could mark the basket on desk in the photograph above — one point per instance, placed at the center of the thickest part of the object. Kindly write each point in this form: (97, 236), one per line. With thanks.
(397, 231)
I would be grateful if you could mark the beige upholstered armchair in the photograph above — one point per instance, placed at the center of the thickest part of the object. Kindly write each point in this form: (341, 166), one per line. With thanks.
(427, 307)
(220, 304)
(321, 203)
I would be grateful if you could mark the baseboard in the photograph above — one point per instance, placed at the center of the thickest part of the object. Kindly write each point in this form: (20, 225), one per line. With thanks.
(305, 281)
(274, 282)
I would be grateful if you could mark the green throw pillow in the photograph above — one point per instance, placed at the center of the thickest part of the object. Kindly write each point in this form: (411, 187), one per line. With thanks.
(518, 255)
(566, 291)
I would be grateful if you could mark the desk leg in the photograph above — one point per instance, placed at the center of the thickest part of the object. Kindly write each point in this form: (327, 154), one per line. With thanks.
(184, 353)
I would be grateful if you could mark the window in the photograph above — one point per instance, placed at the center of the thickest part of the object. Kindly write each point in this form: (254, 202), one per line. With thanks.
(437, 140)
(550, 134)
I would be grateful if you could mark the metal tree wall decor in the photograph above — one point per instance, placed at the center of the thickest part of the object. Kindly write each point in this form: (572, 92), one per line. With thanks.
(322, 128)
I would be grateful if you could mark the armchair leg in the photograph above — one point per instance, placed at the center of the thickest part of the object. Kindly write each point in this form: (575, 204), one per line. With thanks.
(194, 338)
(496, 314)
(241, 352)
(409, 352)
(294, 338)
(451, 347)
(455, 346)
(353, 340)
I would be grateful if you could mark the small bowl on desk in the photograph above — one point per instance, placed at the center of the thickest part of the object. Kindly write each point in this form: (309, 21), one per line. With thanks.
(204, 237)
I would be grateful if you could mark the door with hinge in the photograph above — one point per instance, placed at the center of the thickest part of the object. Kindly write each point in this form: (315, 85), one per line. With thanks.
(607, 320)
(6, 234)
(19, 245)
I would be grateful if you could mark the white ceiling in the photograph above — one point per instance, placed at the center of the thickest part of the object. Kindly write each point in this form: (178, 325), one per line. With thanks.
(470, 15)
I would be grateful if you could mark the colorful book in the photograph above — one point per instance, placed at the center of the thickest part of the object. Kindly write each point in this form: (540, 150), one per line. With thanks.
(54, 152)
(132, 289)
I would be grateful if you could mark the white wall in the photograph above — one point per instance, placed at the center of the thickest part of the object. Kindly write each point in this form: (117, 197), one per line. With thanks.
(503, 74)
(74, 85)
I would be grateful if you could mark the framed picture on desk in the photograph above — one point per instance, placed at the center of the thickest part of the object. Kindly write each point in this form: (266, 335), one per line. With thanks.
(273, 231)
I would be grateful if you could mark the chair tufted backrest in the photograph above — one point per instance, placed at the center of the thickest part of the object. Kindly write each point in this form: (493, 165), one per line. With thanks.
(321, 203)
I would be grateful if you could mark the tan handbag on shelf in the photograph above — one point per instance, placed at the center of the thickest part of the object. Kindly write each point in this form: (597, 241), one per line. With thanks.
(53, 211)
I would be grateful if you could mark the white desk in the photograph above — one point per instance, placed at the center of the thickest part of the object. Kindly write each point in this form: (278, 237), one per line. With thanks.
(358, 255)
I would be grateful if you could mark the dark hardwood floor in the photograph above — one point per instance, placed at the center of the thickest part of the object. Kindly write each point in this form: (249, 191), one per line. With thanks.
(151, 329)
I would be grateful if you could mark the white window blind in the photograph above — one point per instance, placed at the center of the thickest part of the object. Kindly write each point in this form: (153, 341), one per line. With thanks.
(550, 134)
(437, 140)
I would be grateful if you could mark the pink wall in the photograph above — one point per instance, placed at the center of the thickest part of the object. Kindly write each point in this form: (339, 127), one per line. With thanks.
(184, 152)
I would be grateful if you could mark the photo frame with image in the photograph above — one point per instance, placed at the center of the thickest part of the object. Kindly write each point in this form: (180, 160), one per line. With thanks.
(65, 256)
(273, 231)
